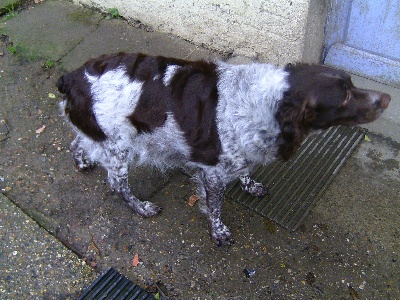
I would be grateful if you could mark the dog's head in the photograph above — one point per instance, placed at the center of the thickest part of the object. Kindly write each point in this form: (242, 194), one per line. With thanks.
(320, 97)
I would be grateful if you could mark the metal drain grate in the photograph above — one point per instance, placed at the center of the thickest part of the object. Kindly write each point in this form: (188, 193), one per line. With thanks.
(112, 285)
(296, 186)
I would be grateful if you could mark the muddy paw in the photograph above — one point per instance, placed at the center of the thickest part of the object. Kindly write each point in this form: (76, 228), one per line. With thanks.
(222, 236)
(84, 165)
(148, 209)
(254, 188)
(258, 190)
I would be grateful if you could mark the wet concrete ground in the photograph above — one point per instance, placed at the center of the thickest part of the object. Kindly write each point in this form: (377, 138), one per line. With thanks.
(34, 264)
(347, 248)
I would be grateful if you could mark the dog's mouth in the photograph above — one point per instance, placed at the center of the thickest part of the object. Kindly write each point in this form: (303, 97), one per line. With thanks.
(371, 115)
(379, 105)
(378, 102)
(366, 116)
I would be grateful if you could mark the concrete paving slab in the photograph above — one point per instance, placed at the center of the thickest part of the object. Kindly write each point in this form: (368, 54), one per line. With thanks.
(116, 35)
(35, 265)
(51, 31)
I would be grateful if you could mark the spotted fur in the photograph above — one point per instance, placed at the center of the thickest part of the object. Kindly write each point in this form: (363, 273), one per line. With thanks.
(220, 119)
(254, 188)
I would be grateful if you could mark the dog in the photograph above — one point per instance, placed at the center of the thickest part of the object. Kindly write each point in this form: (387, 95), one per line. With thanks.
(220, 119)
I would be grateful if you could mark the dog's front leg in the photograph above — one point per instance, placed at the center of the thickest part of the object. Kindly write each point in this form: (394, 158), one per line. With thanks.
(81, 157)
(214, 187)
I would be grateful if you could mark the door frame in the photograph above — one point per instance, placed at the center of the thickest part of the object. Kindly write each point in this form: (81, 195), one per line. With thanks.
(338, 54)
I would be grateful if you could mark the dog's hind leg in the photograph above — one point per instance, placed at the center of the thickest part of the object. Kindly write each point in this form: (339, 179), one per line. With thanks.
(79, 151)
(118, 178)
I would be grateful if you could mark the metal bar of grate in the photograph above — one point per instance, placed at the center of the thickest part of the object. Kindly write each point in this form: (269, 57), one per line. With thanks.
(296, 186)
(111, 285)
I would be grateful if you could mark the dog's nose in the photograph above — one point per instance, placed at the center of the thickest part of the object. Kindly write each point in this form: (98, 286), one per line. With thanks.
(384, 101)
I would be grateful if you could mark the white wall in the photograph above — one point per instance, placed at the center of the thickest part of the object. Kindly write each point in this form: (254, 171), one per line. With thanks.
(277, 31)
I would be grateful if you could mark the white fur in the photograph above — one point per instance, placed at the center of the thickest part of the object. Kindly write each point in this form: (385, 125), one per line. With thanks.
(164, 148)
(169, 73)
(247, 126)
(114, 98)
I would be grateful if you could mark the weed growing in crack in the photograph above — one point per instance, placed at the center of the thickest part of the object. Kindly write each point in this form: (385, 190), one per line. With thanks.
(113, 13)
(49, 64)
(11, 49)
(9, 10)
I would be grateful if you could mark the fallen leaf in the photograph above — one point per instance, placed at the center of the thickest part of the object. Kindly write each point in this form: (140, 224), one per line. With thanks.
(367, 138)
(41, 129)
(52, 96)
(310, 278)
(353, 293)
(92, 246)
(193, 199)
(135, 260)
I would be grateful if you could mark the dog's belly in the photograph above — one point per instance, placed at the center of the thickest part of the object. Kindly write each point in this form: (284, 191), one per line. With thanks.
(163, 148)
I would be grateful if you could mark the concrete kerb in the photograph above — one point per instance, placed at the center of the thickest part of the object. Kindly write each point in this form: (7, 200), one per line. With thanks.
(34, 262)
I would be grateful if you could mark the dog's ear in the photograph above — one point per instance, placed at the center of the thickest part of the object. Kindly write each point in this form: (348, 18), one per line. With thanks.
(292, 116)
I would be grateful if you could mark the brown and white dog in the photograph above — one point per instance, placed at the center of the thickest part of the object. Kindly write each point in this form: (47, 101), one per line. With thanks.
(218, 118)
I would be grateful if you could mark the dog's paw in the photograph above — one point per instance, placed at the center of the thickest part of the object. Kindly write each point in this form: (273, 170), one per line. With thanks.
(147, 209)
(254, 188)
(221, 236)
(258, 190)
(84, 165)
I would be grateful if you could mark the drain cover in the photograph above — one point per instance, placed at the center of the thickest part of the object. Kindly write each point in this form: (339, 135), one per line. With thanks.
(112, 285)
(296, 186)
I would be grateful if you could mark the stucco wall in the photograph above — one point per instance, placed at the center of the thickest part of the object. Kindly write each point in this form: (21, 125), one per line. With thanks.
(277, 31)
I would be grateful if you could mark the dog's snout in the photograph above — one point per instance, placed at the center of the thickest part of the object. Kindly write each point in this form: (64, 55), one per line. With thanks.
(384, 101)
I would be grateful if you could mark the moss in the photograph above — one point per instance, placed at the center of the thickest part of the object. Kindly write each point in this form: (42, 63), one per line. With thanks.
(8, 10)
(85, 16)
(24, 54)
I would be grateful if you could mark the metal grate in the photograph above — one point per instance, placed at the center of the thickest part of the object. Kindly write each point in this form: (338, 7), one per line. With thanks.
(112, 285)
(296, 186)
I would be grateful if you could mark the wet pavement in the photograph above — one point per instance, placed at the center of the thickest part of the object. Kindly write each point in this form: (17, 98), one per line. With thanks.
(347, 248)
(35, 265)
